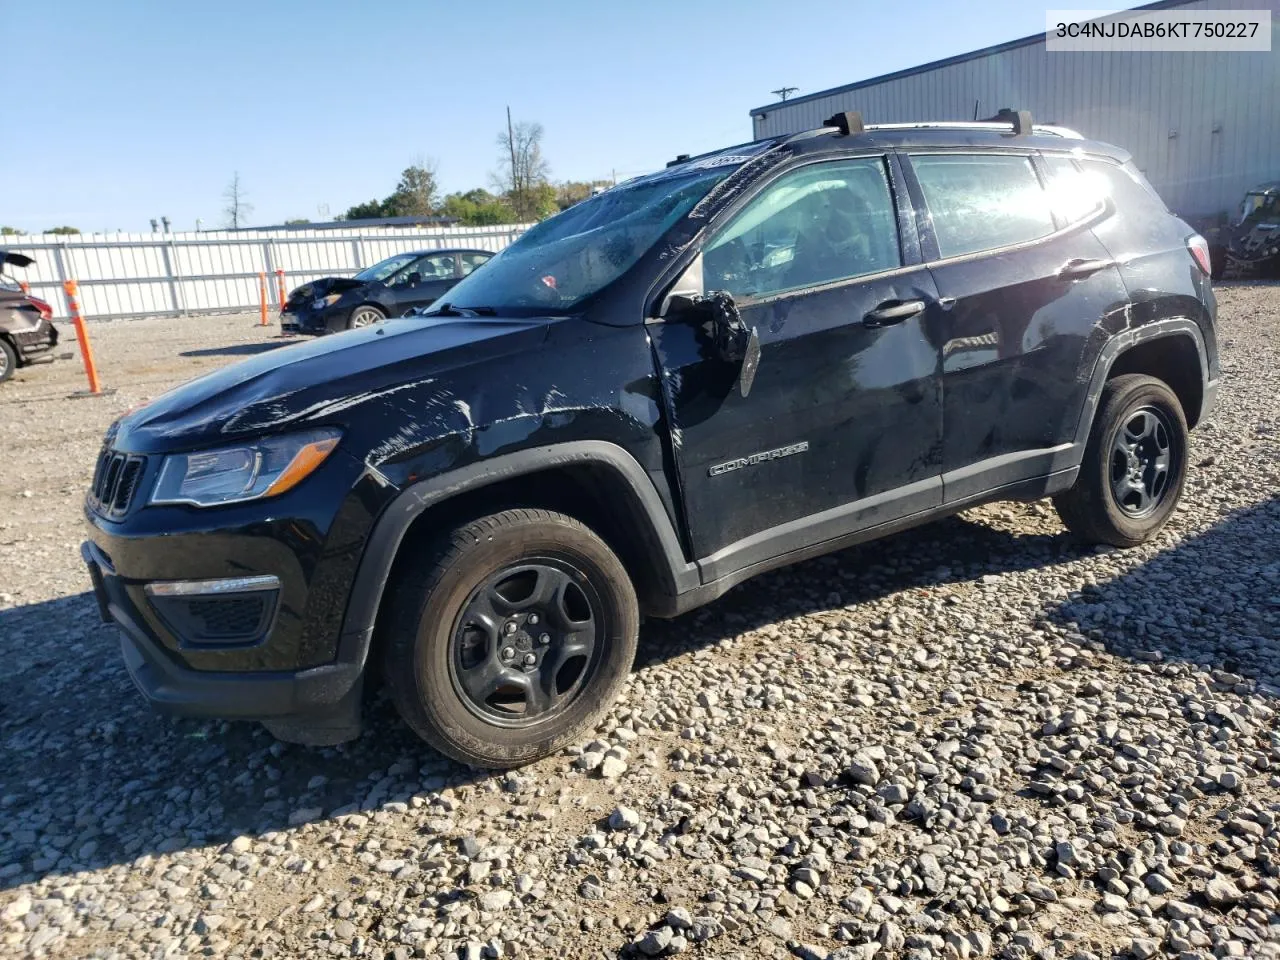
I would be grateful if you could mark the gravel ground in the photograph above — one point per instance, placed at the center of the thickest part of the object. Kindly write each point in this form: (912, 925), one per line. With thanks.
(975, 739)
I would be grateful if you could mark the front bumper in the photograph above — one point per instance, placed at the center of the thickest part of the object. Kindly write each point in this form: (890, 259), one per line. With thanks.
(304, 319)
(180, 583)
(181, 691)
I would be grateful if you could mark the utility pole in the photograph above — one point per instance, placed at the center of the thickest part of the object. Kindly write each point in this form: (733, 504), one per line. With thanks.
(784, 92)
(511, 142)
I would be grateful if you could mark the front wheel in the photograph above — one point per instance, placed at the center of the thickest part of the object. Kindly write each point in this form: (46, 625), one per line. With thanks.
(510, 637)
(1134, 465)
(365, 315)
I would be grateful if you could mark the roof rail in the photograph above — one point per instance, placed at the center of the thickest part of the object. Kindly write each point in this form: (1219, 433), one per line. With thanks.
(1050, 129)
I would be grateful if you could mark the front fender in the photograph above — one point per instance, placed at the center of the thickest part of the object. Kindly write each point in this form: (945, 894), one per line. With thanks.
(632, 487)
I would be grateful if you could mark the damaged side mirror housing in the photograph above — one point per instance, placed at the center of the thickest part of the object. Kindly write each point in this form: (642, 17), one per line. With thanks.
(732, 340)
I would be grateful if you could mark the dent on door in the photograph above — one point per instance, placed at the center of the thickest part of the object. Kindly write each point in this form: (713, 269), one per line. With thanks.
(839, 412)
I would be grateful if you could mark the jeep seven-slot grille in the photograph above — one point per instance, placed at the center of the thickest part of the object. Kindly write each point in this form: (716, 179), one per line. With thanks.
(115, 481)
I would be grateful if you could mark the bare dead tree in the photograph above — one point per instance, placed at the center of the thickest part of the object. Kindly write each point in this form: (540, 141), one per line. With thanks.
(237, 209)
(522, 169)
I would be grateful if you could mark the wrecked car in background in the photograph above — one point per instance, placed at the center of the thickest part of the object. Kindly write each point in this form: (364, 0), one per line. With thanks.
(390, 288)
(1250, 246)
(27, 333)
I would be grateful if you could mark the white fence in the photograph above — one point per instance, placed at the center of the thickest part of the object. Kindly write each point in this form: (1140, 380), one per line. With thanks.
(152, 274)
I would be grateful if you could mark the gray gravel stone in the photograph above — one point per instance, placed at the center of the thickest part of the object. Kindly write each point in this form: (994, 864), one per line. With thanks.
(1073, 749)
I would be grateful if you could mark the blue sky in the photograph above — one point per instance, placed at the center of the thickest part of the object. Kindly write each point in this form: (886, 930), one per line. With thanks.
(137, 109)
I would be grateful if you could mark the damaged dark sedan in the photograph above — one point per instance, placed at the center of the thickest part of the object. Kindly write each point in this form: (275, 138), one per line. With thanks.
(27, 333)
(390, 288)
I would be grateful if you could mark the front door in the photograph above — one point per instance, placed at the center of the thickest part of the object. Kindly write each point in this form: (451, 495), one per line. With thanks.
(1026, 288)
(842, 426)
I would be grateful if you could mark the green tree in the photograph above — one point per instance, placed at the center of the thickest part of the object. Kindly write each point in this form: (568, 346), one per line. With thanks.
(477, 208)
(417, 194)
(365, 211)
(63, 230)
(536, 202)
(12, 232)
(296, 222)
(575, 191)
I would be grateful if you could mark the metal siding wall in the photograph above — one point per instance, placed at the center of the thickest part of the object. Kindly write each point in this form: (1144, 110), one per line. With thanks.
(1134, 100)
(141, 274)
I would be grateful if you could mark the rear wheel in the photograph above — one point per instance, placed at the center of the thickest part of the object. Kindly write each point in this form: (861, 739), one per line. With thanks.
(510, 638)
(1134, 465)
(8, 360)
(1217, 262)
(365, 315)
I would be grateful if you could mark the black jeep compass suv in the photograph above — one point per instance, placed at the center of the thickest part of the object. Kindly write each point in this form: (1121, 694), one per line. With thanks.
(743, 360)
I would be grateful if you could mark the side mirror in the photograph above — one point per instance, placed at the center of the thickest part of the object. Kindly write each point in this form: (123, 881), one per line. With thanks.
(733, 341)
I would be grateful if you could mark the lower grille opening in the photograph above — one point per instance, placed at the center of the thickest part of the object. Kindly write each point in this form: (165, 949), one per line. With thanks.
(224, 619)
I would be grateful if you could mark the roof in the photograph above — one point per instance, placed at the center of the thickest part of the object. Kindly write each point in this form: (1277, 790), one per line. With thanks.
(936, 64)
(879, 137)
(423, 253)
(430, 221)
(985, 135)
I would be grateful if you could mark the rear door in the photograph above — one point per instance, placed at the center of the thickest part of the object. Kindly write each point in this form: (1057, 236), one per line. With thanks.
(1027, 293)
(842, 426)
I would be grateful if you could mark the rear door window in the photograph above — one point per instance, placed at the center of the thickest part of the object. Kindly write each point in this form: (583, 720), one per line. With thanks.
(438, 266)
(982, 201)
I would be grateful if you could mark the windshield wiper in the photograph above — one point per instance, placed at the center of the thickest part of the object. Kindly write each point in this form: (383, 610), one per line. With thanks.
(449, 310)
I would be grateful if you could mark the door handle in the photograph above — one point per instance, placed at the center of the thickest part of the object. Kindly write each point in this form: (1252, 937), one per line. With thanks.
(1075, 269)
(893, 311)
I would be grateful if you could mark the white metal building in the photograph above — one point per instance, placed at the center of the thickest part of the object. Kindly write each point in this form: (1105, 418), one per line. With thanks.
(1202, 126)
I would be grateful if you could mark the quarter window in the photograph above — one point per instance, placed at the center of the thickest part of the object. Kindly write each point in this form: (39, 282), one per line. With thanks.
(1074, 194)
(982, 201)
(821, 223)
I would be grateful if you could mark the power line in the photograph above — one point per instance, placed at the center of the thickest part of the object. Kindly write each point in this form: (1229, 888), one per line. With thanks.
(784, 92)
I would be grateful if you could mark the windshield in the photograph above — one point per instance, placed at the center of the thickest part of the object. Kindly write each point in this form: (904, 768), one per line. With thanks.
(561, 261)
(385, 268)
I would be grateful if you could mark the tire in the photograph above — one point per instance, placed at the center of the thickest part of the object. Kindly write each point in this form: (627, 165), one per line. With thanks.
(446, 644)
(1217, 262)
(1105, 504)
(365, 315)
(8, 360)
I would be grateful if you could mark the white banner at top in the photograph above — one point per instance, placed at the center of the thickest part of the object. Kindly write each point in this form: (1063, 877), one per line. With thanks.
(1240, 31)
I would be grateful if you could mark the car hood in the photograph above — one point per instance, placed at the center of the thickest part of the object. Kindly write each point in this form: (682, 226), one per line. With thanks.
(332, 380)
(323, 286)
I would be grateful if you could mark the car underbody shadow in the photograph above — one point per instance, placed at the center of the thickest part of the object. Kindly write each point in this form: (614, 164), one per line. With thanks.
(148, 784)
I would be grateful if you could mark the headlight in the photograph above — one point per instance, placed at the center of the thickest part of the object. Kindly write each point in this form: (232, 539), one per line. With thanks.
(328, 301)
(263, 468)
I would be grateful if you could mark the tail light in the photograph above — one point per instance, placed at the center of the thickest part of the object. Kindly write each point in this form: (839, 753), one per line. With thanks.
(46, 311)
(1199, 248)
